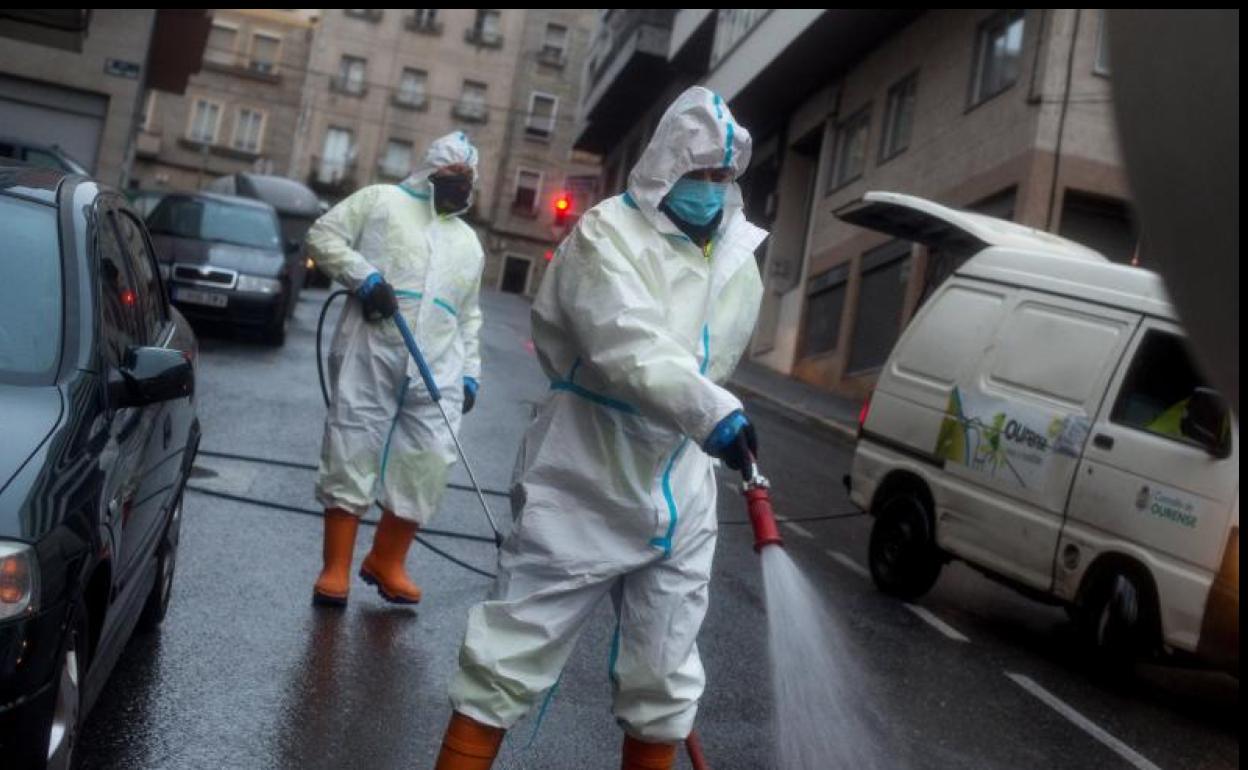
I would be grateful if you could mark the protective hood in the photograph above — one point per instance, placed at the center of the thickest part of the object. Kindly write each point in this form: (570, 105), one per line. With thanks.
(697, 131)
(445, 151)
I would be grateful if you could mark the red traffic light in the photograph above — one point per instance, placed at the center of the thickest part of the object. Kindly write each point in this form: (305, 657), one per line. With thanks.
(563, 207)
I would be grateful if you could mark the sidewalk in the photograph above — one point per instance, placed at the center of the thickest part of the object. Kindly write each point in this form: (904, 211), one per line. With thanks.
(800, 401)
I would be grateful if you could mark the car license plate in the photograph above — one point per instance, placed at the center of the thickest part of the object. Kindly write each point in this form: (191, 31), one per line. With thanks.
(193, 297)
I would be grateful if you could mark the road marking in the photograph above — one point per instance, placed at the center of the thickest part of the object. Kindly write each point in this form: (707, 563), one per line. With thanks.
(1083, 723)
(799, 529)
(926, 616)
(849, 563)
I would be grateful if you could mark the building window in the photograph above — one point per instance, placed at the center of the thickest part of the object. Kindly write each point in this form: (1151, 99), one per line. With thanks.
(824, 307)
(265, 50)
(350, 78)
(205, 118)
(540, 122)
(248, 130)
(554, 44)
(898, 117)
(412, 87)
(471, 104)
(998, 55)
(850, 157)
(222, 46)
(424, 20)
(335, 156)
(528, 190)
(1101, 66)
(487, 29)
(397, 162)
(881, 301)
(515, 276)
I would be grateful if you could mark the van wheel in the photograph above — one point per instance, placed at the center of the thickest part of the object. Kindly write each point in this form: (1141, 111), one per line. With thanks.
(903, 556)
(1117, 617)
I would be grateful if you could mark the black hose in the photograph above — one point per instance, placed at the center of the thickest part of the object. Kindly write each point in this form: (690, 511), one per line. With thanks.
(319, 514)
(320, 326)
(787, 520)
(310, 467)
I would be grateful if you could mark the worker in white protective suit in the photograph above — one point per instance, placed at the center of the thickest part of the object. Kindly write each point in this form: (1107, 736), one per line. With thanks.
(399, 248)
(644, 313)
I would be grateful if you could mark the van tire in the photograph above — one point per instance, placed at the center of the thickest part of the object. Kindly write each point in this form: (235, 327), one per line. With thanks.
(902, 554)
(1117, 617)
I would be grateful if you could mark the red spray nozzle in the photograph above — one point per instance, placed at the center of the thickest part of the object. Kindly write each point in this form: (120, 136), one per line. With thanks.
(758, 504)
(762, 519)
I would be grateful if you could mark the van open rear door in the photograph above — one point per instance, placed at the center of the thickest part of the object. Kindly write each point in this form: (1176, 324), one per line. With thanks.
(951, 231)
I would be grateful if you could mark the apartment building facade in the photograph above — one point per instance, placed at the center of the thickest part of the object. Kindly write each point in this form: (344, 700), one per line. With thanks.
(240, 112)
(1002, 111)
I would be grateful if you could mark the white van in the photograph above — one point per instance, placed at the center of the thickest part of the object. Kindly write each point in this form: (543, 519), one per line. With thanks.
(1041, 420)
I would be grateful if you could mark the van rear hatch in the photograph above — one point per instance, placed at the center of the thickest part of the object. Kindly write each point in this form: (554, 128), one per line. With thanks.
(953, 231)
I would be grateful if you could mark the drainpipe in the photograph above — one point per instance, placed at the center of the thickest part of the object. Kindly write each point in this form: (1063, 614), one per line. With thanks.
(132, 135)
(1061, 122)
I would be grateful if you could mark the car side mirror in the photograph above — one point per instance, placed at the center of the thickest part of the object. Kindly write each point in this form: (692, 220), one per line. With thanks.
(149, 376)
(1208, 422)
(293, 245)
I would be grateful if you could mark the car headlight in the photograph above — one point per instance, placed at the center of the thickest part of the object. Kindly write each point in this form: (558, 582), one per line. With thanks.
(19, 580)
(259, 285)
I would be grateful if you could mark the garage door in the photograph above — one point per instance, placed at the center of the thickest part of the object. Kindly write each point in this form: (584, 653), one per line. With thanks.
(45, 114)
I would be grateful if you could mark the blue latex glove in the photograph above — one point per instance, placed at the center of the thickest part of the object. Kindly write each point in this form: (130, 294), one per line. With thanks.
(471, 386)
(733, 441)
(378, 297)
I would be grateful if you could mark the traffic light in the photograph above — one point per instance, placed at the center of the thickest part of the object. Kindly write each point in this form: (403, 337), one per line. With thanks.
(563, 207)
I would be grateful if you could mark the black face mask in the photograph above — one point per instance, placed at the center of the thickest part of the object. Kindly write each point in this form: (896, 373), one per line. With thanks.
(451, 193)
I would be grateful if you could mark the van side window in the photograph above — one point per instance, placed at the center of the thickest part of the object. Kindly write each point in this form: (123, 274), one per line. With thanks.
(1157, 387)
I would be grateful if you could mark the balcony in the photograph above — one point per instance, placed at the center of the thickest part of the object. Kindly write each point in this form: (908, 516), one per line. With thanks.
(264, 71)
(552, 56)
(147, 144)
(347, 87)
(422, 24)
(404, 102)
(483, 38)
(627, 65)
(332, 178)
(373, 15)
(471, 112)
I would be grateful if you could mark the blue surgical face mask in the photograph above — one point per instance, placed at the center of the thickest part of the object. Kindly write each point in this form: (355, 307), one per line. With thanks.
(696, 201)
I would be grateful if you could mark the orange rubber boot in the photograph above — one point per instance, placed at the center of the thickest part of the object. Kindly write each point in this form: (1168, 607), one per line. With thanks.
(639, 755)
(383, 567)
(468, 744)
(334, 582)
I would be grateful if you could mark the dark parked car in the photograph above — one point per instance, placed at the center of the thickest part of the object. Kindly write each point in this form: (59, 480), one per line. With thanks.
(225, 260)
(144, 202)
(99, 434)
(44, 156)
(297, 208)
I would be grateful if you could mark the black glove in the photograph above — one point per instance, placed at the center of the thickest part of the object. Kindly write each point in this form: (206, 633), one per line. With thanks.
(470, 394)
(733, 441)
(743, 449)
(378, 297)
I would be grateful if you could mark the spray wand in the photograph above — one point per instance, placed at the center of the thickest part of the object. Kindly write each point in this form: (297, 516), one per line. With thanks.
(436, 394)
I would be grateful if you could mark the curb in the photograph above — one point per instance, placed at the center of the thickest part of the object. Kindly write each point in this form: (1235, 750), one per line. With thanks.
(840, 430)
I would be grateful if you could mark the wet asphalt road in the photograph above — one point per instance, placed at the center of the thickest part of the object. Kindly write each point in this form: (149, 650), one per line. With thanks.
(247, 674)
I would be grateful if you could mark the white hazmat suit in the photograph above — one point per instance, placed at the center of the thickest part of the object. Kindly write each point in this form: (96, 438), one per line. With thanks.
(385, 439)
(637, 328)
